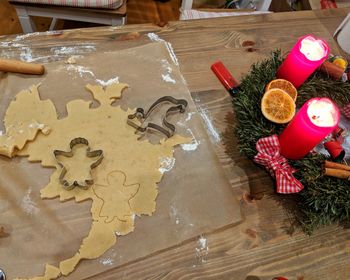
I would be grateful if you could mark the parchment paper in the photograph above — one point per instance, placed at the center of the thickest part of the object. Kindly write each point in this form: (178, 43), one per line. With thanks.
(194, 195)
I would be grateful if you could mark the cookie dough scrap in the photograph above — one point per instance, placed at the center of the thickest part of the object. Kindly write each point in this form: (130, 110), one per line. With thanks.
(19, 128)
(125, 182)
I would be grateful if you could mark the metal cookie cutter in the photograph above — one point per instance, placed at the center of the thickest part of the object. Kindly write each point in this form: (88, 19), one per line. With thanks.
(168, 128)
(2, 275)
(98, 154)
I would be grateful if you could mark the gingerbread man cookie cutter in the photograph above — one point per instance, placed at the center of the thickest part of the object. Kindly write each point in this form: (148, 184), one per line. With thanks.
(98, 154)
(168, 129)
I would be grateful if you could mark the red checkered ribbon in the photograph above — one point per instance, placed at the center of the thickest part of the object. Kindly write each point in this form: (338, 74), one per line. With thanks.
(346, 110)
(269, 156)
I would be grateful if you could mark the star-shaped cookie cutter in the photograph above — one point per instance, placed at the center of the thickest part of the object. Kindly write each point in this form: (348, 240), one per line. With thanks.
(91, 154)
(168, 129)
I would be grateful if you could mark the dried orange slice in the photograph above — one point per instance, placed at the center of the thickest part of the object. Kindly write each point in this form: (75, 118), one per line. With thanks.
(277, 106)
(285, 85)
(341, 62)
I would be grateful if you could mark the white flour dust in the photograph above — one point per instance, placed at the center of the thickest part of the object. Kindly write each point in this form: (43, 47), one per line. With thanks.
(25, 36)
(107, 261)
(81, 70)
(28, 205)
(21, 46)
(109, 82)
(9, 44)
(166, 67)
(210, 127)
(36, 125)
(154, 37)
(202, 250)
(26, 54)
(189, 116)
(191, 146)
(166, 164)
(173, 215)
(167, 78)
(72, 50)
(109, 258)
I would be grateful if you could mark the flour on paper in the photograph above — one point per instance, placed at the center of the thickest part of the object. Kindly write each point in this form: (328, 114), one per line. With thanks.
(154, 37)
(28, 205)
(125, 182)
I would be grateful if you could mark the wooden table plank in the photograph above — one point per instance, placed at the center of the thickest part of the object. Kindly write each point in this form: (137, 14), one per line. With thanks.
(264, 245)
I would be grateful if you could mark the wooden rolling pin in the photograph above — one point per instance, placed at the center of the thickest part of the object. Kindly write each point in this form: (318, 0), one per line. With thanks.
(16, 66)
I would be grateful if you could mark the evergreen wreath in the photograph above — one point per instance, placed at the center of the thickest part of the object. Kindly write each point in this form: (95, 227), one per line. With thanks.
(324, 200)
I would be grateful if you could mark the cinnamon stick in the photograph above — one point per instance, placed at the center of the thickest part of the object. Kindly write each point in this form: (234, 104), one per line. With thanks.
(338, 173)
(334, 71)
(333, 165)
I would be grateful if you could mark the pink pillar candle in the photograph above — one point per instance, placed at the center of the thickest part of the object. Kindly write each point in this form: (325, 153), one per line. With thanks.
(304, 58)
(314, 121)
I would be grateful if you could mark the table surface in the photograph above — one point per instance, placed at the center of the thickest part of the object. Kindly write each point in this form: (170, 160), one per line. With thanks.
(264, 245)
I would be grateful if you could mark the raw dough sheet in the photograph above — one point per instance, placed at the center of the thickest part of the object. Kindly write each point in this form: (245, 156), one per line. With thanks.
(194, 195)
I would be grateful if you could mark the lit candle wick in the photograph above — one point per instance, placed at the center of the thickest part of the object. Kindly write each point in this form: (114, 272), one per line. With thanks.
(315, 117)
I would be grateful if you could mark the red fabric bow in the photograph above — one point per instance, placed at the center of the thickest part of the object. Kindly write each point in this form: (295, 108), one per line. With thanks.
(269, 156)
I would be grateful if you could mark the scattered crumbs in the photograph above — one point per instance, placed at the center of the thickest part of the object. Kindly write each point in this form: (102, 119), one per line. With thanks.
(46, 130)
(166, 164)
(168, 79)
(177, 221)
(71, 60)
(28, 205)
(109, 82)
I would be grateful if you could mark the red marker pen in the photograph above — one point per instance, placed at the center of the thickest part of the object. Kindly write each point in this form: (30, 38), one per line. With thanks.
(225, 77)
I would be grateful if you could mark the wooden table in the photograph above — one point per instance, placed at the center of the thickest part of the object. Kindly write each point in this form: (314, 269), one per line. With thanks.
(264, 245)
